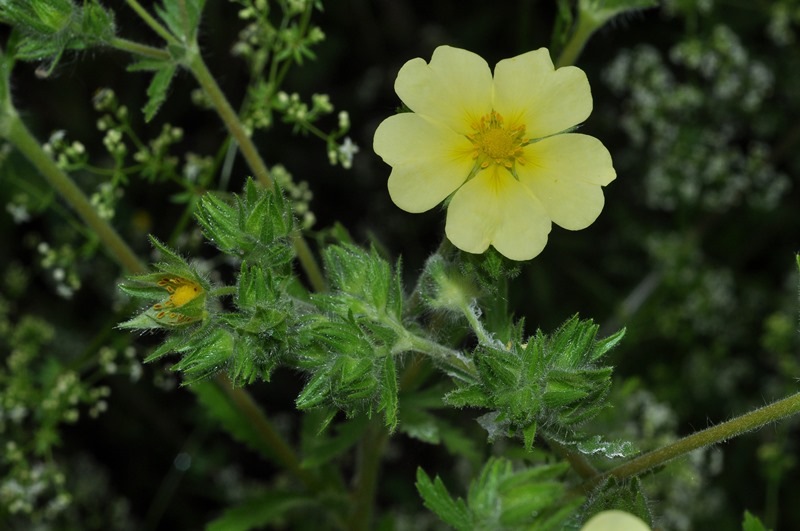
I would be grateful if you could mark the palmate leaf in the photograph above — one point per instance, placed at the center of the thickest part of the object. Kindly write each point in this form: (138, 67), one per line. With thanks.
(260, 510)
(502, 498)
(438, 499)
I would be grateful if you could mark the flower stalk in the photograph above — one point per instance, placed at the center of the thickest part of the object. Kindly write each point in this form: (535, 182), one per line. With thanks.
(749, 421)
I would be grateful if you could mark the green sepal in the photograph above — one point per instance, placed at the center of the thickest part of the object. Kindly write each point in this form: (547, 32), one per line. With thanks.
(173, 274)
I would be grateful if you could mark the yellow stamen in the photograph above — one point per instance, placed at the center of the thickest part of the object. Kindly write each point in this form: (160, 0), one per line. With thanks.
(494, 143)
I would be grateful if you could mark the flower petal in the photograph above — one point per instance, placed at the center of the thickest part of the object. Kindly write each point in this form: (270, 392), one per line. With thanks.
(493, 208)
(454, 89)
(429, 161)
(565, 172)
(529, 91)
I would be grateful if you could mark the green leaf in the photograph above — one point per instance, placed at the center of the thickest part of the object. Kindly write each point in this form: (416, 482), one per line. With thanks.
(752, 523)
(47, 28)
(157, 91)
(388, 403)
(218, 404)
(255, 228)
(437, 499)
(259, 511)
(320, 449)
(182, 17)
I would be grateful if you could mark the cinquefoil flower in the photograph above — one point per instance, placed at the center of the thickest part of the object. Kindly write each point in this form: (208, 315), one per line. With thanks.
(500, 145)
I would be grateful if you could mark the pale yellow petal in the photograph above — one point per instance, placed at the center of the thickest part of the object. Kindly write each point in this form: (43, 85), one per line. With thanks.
(565, 172)
(615, 520)
(529, 91)
(454, 89)
(429, 161)
(494, 209)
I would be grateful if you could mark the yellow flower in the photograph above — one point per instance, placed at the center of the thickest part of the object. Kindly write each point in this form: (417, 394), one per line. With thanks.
(615, 520)
(500, 143)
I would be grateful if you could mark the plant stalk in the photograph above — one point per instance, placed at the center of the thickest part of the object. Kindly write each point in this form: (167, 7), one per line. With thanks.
(150, 21)
(14, 130)
(231, 119)
(584, 29)
(19, 135)
(749, 421)
(284, 454)
(370, 451)
(139, 49)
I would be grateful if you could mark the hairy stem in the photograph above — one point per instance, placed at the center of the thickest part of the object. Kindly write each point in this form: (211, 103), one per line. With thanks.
(577, 460)
(231, 119)
(150, 21)
(13, 129)
(370, 450)
(749, 421)
(139, 49)
(584, 29)
(18, 134)
(284, 454)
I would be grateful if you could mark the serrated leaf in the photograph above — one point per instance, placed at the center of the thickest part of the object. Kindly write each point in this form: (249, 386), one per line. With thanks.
(323, 448)
(181, 17)
(218, 404)
(436, 498)
(752, 523)
(157, 91)
(259, 511)
(388, 403)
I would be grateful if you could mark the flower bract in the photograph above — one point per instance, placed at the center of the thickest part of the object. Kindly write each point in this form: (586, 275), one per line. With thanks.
(498, 146)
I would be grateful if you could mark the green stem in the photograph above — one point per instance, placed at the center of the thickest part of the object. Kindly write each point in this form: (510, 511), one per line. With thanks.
(19, 135)
(368, 465)
(150, 21)
(459, 365)
(284, 454)
(14, 130)
(231, 119)
(577, 460)
(584, 29)
(139, 49)
(747, 422)
(484, 338)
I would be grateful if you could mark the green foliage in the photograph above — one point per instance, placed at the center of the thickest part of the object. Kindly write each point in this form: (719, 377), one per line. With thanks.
(261, 509)
(182, 17)
(624, 496)
(50, 27)
(157, 90)
(552, 381)
(501, 498)
(752, 523)
(255, 229)
(180, 290)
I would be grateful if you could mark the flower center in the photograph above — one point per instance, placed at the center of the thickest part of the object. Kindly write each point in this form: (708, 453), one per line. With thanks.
(492, 142)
